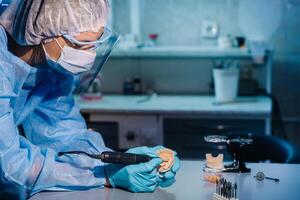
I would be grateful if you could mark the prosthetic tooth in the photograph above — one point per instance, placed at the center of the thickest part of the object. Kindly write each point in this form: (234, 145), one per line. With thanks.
(214, 162)
(167, 155)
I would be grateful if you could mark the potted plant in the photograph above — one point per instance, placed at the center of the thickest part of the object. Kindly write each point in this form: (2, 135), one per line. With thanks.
(226, 77)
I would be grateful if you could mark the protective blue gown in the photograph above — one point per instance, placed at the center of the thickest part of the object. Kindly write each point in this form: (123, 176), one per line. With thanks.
(40, 99)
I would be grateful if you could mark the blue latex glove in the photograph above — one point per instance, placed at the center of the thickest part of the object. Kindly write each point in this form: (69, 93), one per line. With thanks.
(135, 178)
(168, 178)
(164, 179)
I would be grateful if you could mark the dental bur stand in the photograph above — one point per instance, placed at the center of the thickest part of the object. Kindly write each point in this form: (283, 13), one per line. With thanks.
(235, 144)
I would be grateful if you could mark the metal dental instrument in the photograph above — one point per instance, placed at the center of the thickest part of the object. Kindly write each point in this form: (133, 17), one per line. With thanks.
(149, 97)
(238, 164)
(225, 139)
(260, 176)
(235, 189)
(114, 157)
(225, 190)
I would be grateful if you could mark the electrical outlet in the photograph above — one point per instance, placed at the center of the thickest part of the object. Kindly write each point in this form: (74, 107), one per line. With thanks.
(209, 29)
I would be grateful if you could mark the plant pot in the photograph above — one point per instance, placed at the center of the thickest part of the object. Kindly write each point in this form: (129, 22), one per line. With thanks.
(226, 84)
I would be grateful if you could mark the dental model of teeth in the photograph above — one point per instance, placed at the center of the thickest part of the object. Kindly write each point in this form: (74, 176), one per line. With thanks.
(167, 155)
(214, 162)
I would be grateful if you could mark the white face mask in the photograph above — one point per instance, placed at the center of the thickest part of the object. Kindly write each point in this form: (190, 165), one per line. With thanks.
(72, 60)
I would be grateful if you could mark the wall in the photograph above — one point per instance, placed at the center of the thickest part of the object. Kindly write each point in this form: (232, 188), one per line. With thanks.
(173, 19)
(179, 23)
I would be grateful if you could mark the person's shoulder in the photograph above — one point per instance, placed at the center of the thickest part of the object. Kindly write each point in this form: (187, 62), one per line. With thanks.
(3, 46)
(3, 37)
(5, 58)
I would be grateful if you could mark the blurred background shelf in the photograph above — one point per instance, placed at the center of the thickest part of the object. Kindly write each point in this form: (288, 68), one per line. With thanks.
(244, 107)
(183, 52)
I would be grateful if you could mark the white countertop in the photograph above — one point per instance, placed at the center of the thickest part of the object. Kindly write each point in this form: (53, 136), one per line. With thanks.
(189, 185)
(162, 104)
(182, 51)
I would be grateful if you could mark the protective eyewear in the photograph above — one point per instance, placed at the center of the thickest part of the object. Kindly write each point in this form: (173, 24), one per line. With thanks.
(103, 51)
(107, 33)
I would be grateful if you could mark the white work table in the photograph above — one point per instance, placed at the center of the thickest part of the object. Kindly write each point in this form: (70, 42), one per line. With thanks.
(190, 185)
(260, 107)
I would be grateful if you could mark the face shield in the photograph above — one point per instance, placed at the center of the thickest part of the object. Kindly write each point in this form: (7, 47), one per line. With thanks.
(103, 50)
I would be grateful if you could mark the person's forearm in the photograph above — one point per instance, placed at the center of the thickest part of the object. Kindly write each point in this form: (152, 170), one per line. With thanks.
(74, 172)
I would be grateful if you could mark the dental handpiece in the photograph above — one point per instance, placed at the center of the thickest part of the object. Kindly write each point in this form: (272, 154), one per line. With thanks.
(114, 157)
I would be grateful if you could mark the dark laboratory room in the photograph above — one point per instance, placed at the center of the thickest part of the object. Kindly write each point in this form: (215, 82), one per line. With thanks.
(149, 99)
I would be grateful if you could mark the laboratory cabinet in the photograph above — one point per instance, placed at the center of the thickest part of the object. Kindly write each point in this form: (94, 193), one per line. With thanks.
(178, 122)
(183, 134)
(109, 132)
(186, 135)
(121, 132)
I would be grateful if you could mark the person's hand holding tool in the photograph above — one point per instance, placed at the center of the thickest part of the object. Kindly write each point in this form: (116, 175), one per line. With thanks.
(135, 178)
(144, 177)
(167, 169)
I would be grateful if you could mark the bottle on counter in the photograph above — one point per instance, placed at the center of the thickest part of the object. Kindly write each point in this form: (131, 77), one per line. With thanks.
(94, 91)
(128, 86)
(137, 85)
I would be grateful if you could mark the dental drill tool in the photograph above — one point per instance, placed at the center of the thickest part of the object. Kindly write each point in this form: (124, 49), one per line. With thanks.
(114, 157)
